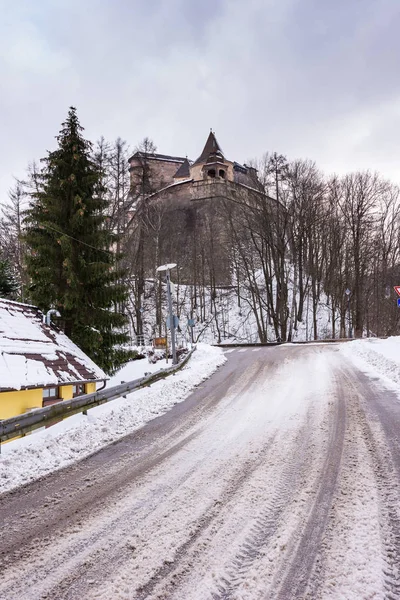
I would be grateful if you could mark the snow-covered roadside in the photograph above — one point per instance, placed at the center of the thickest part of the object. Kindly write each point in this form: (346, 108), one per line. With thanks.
(136, 369)
(376, 358)
(32, 457)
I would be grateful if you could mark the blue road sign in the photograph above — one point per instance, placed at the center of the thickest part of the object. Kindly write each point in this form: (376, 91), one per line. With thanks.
(398, 301)
(191, 322)
(176, 322)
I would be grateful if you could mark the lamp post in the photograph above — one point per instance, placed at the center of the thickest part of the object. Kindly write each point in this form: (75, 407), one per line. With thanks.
(348, 294)
(167, 269)
(47, 317)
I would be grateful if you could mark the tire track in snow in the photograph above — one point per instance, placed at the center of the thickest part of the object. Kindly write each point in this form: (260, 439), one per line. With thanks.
(263, 528)
(37, 506)
(73, 545)
(389, 492)
(235, 486)
(360, 552)
(93, 557)
(98, 570)
(303, 562)
(192, 537)
(283, 481)
(303, 548)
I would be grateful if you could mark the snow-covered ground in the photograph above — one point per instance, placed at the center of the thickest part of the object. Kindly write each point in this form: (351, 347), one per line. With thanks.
(377, 357)
(33, 456)
(280, 481)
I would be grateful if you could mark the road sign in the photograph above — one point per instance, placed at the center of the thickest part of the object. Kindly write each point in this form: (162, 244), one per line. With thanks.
(191, 322)
(398, 301)
(176, 322)
(160, 342)
(397, 289)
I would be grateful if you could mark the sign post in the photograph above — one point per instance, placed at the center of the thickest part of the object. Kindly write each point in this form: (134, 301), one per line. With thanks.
(191, 324)
(167, 268)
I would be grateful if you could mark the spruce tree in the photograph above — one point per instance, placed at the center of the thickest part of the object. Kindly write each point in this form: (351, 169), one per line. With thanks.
(8, 284)
(70, 259)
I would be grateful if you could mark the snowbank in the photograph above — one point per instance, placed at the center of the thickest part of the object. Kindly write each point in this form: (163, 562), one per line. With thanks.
(36, 455)
(376, 357)
(136, 369)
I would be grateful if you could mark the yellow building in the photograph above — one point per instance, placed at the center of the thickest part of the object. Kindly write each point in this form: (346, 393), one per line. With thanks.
(39, 365)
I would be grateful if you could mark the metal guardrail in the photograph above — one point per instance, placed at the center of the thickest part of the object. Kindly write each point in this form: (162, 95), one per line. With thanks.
(27, 422)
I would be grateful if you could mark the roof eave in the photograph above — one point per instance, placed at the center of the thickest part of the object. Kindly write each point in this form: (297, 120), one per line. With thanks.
(50, 385)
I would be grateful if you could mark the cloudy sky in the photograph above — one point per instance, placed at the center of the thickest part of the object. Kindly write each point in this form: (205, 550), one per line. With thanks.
(307, 78)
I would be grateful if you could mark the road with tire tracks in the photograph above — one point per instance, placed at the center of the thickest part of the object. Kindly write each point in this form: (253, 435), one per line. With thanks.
(278, 478)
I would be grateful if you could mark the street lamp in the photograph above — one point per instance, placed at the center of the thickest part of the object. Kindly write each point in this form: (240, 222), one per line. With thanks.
(348, 294)
(167, 269)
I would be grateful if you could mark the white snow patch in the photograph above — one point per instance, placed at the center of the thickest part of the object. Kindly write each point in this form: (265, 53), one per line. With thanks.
(376, 358)
(136, 369)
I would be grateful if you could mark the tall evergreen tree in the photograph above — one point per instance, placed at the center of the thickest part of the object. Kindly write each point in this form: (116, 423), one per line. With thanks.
(12, 247)
(71, 261)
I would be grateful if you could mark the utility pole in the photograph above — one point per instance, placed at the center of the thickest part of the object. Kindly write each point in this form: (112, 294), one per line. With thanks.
(167, 268)
(348, 294)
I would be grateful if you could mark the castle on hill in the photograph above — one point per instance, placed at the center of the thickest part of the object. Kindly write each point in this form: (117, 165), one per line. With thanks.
(182, 208)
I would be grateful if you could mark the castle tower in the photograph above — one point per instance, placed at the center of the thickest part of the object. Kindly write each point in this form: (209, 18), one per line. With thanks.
(211, 163)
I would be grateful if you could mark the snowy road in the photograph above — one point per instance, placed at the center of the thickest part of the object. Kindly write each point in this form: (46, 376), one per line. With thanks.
(278, 478)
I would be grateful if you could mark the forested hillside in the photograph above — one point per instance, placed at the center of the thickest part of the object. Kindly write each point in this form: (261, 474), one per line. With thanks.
(311, 244)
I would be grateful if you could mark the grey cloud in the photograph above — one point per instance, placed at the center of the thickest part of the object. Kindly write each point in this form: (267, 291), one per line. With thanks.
(303, 77)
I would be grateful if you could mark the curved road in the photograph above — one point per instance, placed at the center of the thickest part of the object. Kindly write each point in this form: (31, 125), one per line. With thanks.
(279, 478)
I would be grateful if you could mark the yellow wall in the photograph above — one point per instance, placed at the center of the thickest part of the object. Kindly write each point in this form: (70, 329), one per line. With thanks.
(16, 403)
(90, 388)
(66, 392)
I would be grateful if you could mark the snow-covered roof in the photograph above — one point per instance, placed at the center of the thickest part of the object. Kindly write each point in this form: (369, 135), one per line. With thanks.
(33, 354)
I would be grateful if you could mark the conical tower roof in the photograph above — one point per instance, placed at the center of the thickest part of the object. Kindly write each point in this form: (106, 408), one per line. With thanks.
(184, 170)
(211, 148)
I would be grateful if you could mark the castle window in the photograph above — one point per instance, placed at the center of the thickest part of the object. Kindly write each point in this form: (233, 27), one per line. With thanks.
(211, 173)
(222, 173)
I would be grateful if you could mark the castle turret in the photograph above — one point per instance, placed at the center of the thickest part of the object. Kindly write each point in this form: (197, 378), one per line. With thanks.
(211, 162)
